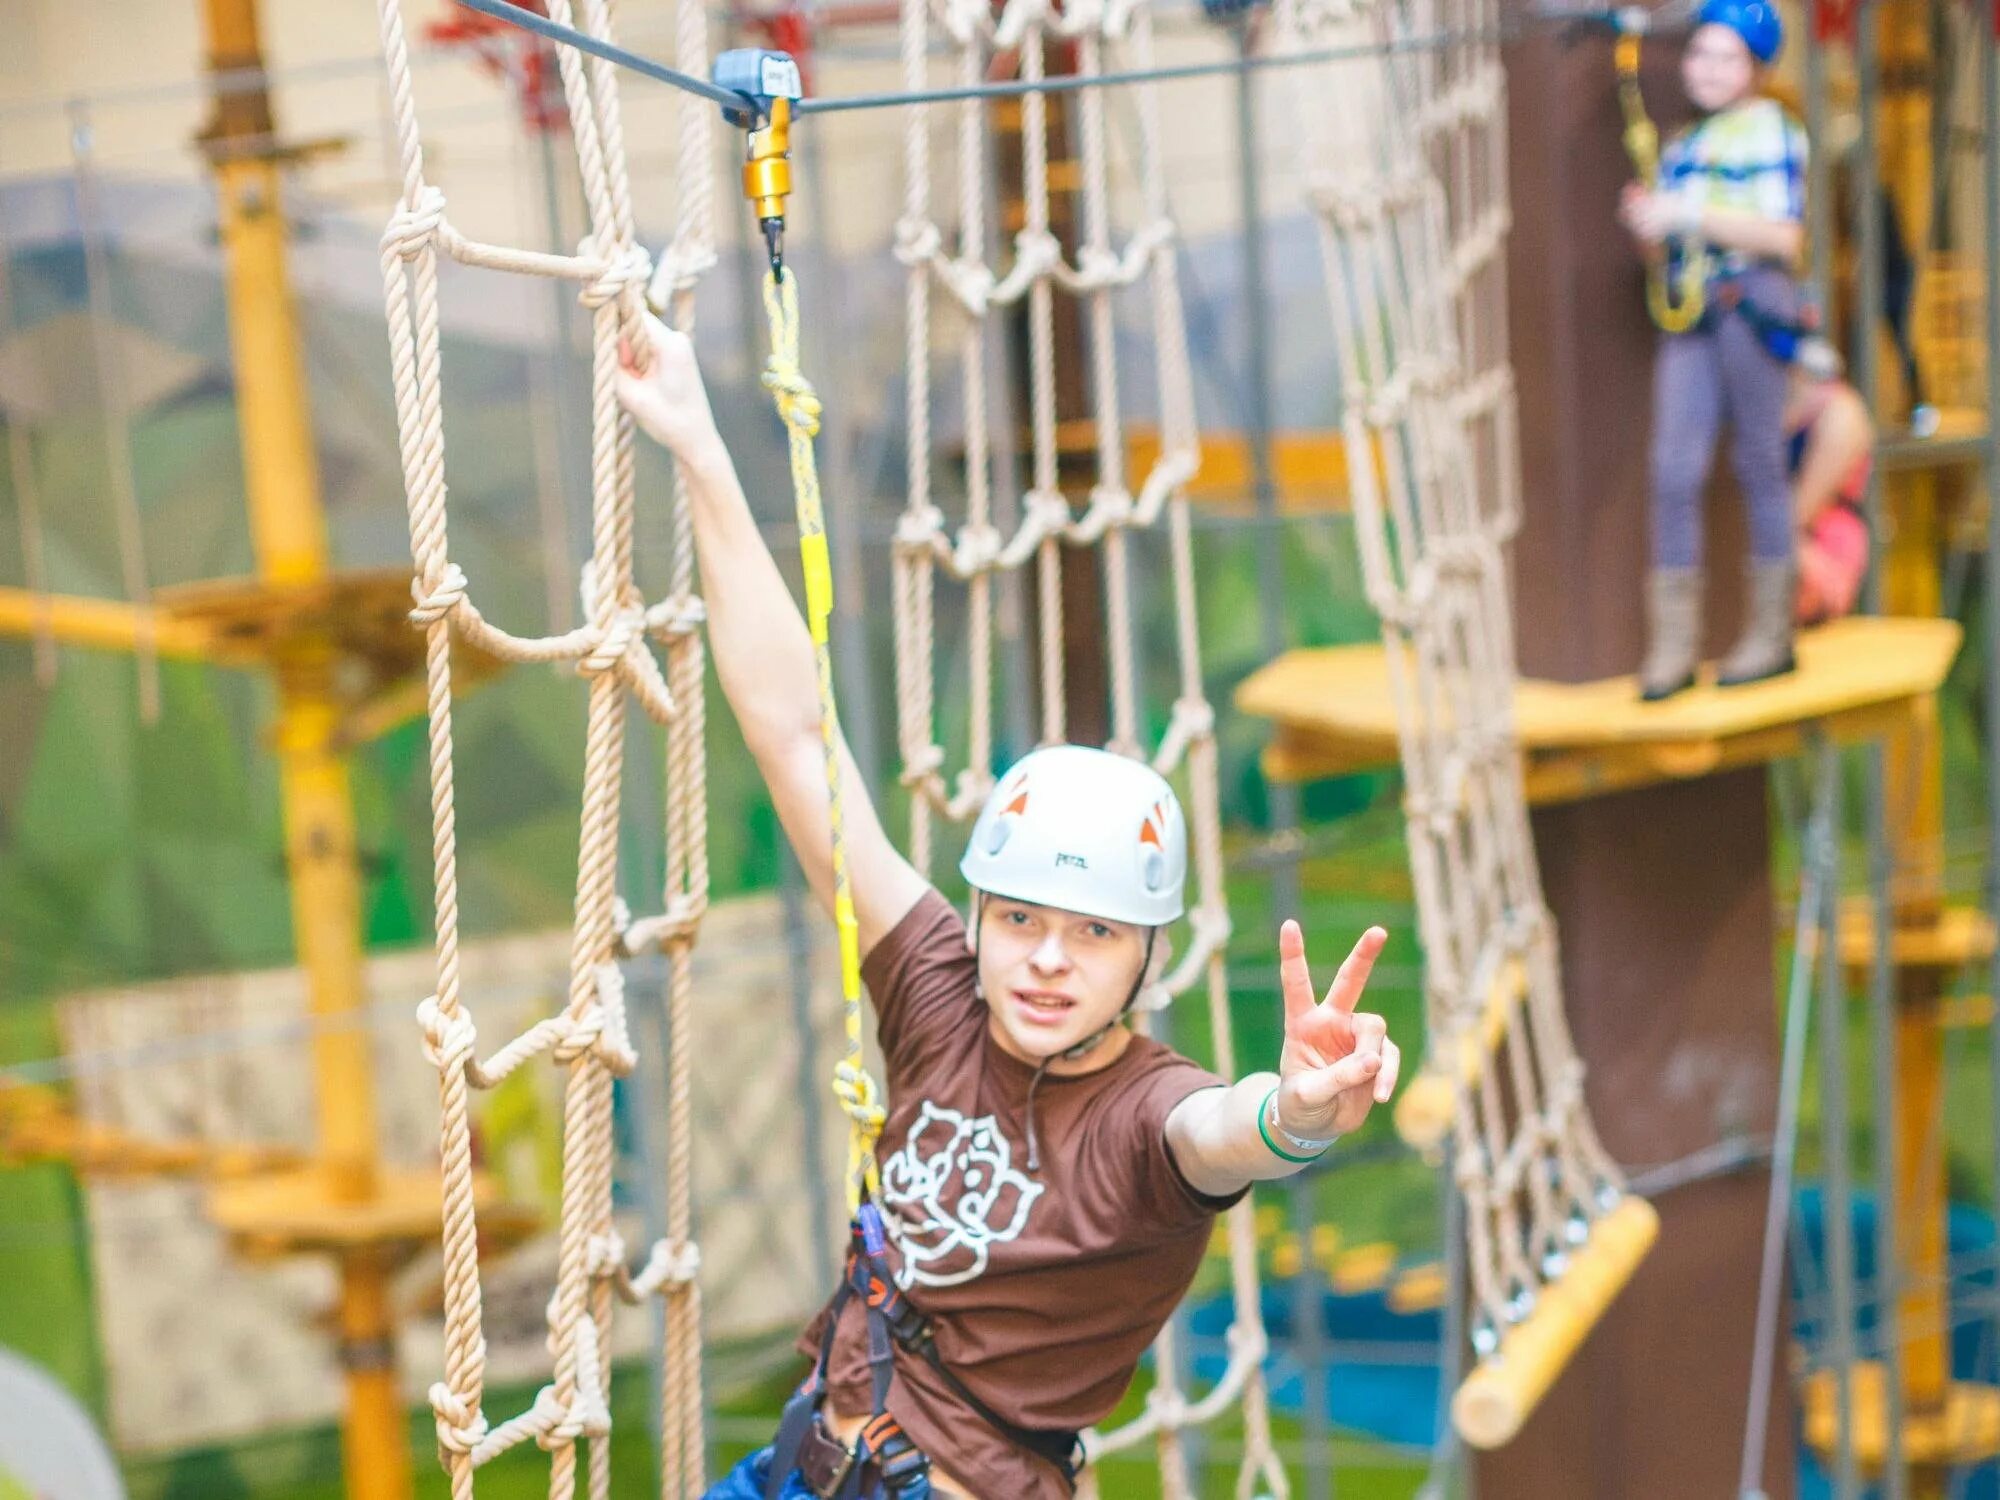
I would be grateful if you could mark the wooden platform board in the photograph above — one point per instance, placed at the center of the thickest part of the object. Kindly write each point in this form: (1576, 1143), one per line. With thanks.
(1857, 679)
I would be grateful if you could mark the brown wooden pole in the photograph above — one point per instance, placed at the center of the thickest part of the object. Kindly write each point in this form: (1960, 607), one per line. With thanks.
(1087, 685)
(1663, 896)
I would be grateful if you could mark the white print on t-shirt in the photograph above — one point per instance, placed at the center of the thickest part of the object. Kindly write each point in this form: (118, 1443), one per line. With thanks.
(952, 1192)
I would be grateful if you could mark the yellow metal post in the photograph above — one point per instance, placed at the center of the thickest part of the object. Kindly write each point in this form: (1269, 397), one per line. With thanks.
(1915, 784)
(288, 534)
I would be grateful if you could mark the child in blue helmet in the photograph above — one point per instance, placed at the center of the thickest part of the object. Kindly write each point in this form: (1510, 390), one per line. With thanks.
(1731, 185)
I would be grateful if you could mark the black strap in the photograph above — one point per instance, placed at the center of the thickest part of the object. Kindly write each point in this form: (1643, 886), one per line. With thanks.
(892, 1320)
(911, 1329)
(1060, 1447)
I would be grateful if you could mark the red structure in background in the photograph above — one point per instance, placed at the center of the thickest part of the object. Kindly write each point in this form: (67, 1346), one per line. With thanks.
(789, 29)
(1833, 20)
(520, 59)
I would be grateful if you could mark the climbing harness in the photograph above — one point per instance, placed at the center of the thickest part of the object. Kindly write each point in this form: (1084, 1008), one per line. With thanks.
(837, 1471)
(1791, 341)
(1676, 277)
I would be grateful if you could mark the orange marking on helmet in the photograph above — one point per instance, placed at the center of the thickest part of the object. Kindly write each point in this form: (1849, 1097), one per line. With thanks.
(1018, 805)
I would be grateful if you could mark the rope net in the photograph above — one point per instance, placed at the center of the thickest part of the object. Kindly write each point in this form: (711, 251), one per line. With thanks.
(979, 42)
(614, 650)
(1406, 173)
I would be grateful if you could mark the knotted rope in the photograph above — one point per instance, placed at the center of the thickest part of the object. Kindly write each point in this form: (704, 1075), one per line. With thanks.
(1407, 173)
(613, 650)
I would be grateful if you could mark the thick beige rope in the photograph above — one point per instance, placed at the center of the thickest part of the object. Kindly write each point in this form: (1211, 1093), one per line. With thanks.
(611, 648)
(972, 553)
(1407, 174)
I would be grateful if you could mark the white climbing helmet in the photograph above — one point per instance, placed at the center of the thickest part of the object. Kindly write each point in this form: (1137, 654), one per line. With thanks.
(1085, 831)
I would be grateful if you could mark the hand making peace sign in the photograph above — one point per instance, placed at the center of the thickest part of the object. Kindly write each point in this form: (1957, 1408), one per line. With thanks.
(1336, 1063)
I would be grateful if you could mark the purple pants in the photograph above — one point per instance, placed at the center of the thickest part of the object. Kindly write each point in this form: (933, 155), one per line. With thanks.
(1721, 373)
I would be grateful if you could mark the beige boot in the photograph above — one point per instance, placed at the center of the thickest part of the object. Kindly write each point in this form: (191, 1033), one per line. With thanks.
(1673, 625)
(1765, 647)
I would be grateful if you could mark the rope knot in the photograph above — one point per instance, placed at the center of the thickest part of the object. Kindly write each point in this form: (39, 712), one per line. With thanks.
(1048, 511)
(673, 1263)
(437, 599)
(798, 402)
(1110, 506)
(918, 529)
(969, 791)
(1168, 1406)
(978, 549)
(449, 1040)
(1195, 717)
(676, 925)
(680, 616)
(459, 1428)
(1038, 251)
(1470, 1169)
(917, 241)
(624, 268)
(413, 227)
(1097, 268)
(616, 637)
(1248, 1342)
(559, 1426)
(603, 1254)
(598, 1029)
(854, 1087)
(921, 767)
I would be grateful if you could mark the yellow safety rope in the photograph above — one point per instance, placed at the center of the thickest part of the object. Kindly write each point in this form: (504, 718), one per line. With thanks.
(1677, 307)
(798, 405)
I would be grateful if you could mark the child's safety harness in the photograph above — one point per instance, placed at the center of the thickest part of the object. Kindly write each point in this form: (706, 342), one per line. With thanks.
(834, 1470)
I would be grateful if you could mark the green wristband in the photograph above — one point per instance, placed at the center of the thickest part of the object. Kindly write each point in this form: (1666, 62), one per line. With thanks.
(1263, 1113)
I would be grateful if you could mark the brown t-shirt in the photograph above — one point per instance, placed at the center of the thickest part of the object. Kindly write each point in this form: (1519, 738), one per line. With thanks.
(1045, 1287)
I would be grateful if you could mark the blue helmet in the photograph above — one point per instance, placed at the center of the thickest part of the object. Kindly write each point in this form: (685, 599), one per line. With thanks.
(1756, 21)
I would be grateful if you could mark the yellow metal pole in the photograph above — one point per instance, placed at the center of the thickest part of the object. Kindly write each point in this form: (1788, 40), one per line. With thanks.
(288, 533)
(1915, 782)
(105, 624)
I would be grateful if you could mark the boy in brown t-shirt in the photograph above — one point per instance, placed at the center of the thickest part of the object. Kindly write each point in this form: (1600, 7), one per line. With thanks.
(1049, 1178)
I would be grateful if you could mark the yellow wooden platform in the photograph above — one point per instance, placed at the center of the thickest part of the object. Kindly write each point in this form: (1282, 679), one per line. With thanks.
(353, 628)
(1954, 937)
(287, 1213)
(1967, 1431)
(36, 1125)
(1857, 679)
(1309, 470)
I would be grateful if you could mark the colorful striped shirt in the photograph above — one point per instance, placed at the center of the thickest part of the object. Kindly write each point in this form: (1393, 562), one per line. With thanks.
(1750, 157)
